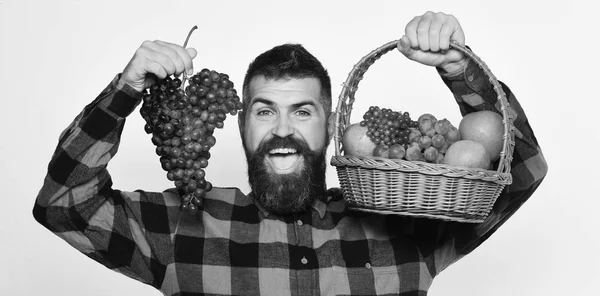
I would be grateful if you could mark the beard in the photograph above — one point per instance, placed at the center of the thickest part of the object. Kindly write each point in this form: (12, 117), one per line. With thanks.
(290, 193)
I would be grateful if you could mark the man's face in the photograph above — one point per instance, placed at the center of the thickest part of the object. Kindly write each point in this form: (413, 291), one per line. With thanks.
(285, 137)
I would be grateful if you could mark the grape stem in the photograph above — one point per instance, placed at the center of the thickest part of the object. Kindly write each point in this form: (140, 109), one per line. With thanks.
(183, 80)
(188, 36)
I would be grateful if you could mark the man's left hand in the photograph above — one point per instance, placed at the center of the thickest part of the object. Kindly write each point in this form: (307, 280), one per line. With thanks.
(427, 41)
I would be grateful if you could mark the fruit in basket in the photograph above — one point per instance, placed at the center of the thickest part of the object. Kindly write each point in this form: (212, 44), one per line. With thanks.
(431, 154)
(424, 141)
(414, 134)
(396, 151)
(467, 153)
(440, 158)
(442, 126)
(453, 135)
(414, 153)
(394, 135)
(426, 124)
(433, 137)
(486, 128)
(388, 127)
(356, 141)
(445, 147)
(438, 141)
(381, 150)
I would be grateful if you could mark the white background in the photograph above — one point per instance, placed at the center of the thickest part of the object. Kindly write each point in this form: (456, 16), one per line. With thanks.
(56, 56)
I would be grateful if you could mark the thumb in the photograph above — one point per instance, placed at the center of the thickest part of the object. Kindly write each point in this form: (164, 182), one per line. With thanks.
(404, 46)
(192, 52)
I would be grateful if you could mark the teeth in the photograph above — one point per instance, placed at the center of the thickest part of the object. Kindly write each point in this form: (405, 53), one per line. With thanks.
(282, 151)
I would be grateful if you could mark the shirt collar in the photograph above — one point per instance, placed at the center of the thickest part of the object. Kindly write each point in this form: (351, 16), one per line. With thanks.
(319, 205)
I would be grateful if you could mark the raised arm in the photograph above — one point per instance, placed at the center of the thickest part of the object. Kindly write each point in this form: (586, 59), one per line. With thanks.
(126, 231)
(427, 41)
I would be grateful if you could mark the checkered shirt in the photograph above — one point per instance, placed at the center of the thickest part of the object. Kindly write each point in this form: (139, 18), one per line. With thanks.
(235, 247)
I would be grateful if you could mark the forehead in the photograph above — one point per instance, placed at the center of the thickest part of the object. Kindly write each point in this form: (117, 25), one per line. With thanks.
(285, 91)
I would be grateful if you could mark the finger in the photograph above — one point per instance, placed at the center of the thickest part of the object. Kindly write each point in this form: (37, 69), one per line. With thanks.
(165, 61)
(445, 34)
(404, 46)
(411, 32)
(434, 35)
(183, 55)
(157, 69)
(193, 53)
(456, 32)
(169, 50)
(453, 32)
(454, 55)
(423, 32)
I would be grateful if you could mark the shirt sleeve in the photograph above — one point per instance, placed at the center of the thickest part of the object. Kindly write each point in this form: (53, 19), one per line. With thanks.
(77, 201)
(473, 92)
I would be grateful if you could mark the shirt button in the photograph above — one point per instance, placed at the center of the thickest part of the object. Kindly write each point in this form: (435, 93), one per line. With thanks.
(303, 260)
(299, 222)
(368, 265)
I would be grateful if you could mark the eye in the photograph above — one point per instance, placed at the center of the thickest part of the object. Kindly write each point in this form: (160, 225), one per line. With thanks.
(303, 113)
(264, 112)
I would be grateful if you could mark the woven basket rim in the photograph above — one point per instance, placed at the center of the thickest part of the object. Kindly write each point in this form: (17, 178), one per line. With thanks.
(427, 168)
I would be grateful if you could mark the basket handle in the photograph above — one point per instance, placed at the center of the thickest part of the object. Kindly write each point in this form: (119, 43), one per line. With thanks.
(350, 86)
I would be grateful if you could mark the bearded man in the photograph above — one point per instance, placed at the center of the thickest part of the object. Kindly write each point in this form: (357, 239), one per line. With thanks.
(290, 235)
(285, 129)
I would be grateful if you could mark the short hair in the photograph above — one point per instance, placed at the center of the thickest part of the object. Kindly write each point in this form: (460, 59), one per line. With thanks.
(288, 61)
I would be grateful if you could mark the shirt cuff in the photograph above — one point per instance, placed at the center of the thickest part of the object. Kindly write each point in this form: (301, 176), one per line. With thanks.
(472, 75)
(125, 98)
(457, 74)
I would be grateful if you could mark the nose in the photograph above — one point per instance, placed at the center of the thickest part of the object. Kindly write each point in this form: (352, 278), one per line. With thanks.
(283, 127)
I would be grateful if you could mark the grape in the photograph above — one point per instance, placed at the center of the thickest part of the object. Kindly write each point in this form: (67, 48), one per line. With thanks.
(431, 154)
(182, 122)
(442, 126)
(425, 141)
(438, 141)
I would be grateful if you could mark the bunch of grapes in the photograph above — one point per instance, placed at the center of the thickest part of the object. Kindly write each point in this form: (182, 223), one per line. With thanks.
(182, 123)
(388, 127)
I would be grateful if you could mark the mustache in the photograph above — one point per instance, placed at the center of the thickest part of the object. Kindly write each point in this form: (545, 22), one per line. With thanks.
(278, 142)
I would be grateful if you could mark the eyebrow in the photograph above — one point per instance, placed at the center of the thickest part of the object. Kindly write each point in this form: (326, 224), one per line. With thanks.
(296, 105)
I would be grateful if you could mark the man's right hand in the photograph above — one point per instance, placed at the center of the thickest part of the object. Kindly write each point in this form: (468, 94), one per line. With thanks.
(157, 59)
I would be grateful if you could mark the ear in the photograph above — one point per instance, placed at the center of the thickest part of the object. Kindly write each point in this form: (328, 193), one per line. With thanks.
(331, 124)
(241, 122)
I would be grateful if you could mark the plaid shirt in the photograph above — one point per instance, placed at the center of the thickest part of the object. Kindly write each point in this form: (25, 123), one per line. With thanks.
(237, 248)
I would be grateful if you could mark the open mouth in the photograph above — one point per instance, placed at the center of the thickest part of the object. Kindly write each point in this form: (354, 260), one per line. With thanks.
(284, 160)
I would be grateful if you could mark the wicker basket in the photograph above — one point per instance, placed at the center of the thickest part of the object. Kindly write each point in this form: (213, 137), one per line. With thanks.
(417, 188)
